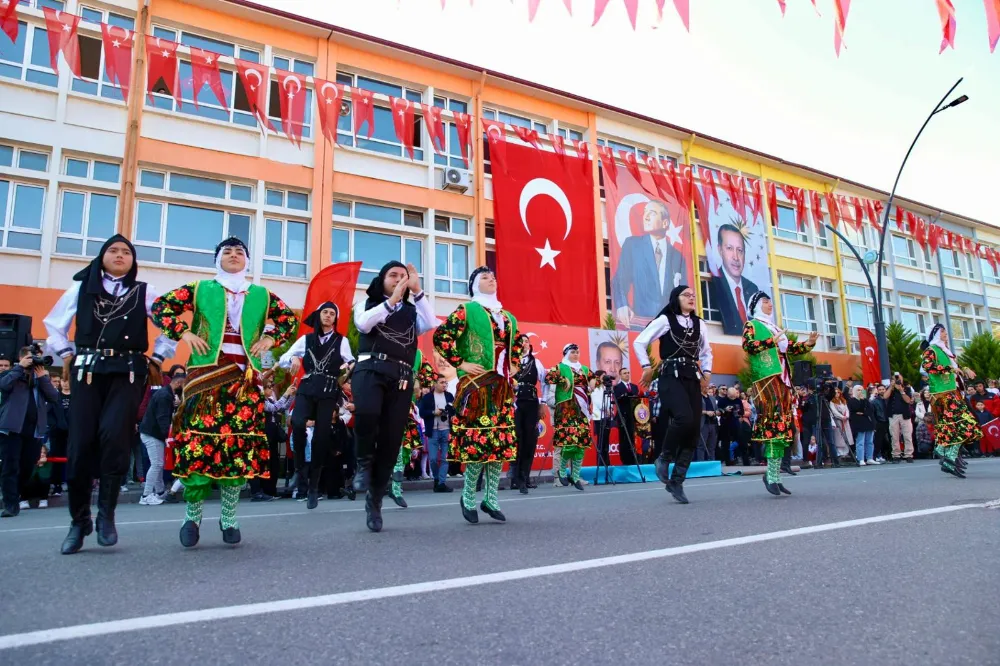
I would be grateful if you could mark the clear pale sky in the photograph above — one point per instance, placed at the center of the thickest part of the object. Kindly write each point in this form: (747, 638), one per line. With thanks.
(747, 75)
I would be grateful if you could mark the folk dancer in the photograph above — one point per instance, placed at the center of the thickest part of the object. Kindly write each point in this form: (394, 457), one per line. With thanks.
(219, 429)
(413, 439)
(768, 348)
(480, 339)
(954, 423)
(108, 373)
(568, 388)
(526, 414)
(685, 358)
(395, 312)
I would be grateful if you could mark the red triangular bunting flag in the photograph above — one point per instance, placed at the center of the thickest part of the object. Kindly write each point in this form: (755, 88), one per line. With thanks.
(631, 165)
(559, 147)
(772, 201)
(363, 108)
(435, 127)
(292, 88)
(993, 22)
(782, 4)
(62, 36)
(8, 19)
(711, 192)
(117, 55)
(529, 136)
(463, 127)
(899, 218)
(329, 96)
(255, 78)
(817, 209)
(533, 8)
(496, 134)
(946, 11)
(205, 72)
(631, 5)
(840, 10)
(402, 122)
(161, 58)
(608, 166)
(756, 199)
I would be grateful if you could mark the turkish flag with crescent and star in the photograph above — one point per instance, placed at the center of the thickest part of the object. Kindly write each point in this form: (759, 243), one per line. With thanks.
(991, 437)
(546, 239)
(292, 104)
(118, 56)
(255, 78)
(649, 239)
(329, 96)
(871, 368)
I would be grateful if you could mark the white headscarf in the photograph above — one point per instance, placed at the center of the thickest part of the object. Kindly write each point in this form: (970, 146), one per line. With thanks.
(490, 302)
(768, 320)
(576, 366)
(236, 286)
(936, 340)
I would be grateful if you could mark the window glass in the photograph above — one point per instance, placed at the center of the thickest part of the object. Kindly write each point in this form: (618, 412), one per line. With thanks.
(241, 192)
(298, 201)
(13, 51)
(208, 44)
(148, 222)
(33, 161)
(239, 226)
(71, 216)
(28, 203)
(24, 241)
(415, 253)
(4, 189)
(77, 168)
(366, 211)
(152, 179)
(374, 250)
(295, 249)
(205, 187)
(103, 211)
(107, 172)
(340, 250)
(459, 226)
(194, 228)
(272, 238)
(413, 219)
(342, 208)
(275, 198)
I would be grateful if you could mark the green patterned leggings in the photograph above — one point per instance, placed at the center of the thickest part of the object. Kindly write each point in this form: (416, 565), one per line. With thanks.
(948, 453)
(402, 460)
(774, 470)
(491, 484)
(230, 498)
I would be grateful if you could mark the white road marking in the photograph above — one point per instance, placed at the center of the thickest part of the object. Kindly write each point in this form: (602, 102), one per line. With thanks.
(45, 636)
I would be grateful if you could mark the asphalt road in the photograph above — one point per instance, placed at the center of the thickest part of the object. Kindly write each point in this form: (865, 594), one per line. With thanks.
(889, 565)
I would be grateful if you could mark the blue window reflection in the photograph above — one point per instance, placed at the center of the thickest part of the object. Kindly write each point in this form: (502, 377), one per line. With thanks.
(71, 218)
(272, 238)
(14, 51)
(148, 223)
(152, 179)
(103, 215)
(106, 172)
(415, 253)
(367, 211)
(239, 226)
(28, 204)
(205, 187)
(77, 168)
(295, 248)
(208, 45)
(241, 192)
(194, 227)
(375, 250)
(340, 248)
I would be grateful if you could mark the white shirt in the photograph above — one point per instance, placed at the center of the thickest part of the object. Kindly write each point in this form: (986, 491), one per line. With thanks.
(59, 320)
(661, 326)
(366, 320)
(440, 402)
(597, 404)
(298, 350)
(662, 270)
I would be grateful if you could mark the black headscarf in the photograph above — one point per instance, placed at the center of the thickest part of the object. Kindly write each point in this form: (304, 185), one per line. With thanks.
(312, 321)
(924, 344)
(476, 273)
(232, 241)
(755, 299)
(674, 303)
(92, 274)
(376, 290)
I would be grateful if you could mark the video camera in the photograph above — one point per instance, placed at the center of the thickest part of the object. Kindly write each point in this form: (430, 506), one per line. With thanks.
(38, 359)
(607, 380)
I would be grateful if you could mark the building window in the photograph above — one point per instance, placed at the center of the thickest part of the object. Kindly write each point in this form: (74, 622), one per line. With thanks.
(200, 186)
(709, 312)
(208, 106)
(570, 134)
(830, 308)
(285, 243)
(451, 268)
(104, 172)
(859, 315)
(950, 263)
(384, 138)
(452, 225)
(453, 150)
(515, 120)
(904, 250)
(914, 321)
(995, 321)
(990, 273)
(374, 250)
(799, 312)
(21, 208)
(86, 221)
(795, 282)
(787, 228)
(290, 200)
(640, 153)
(27, 59)
(378, 213)
(95, 80)
(961, 332)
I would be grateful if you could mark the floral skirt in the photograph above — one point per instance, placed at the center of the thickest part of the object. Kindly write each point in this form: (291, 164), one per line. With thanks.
(773, 429)
(571, 429)
(483, 426)
(411, 438)
(955, 424)
(219, 429)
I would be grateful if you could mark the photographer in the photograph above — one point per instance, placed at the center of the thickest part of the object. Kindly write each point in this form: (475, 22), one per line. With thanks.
(730, 413)
(602, 413)
(626, 396)
(827, 444)
(25, 391)
(899, 402)
(436, 409)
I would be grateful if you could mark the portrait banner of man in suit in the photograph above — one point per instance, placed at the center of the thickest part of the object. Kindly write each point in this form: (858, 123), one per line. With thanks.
(649, 239)
(737, 257)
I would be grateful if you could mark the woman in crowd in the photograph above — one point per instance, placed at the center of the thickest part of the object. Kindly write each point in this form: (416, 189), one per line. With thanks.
(923, 405)
(955, 424)
(58, 433)
(862, 423)
(841, 415)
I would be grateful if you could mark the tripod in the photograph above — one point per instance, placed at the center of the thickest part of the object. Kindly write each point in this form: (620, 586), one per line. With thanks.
(603, 431)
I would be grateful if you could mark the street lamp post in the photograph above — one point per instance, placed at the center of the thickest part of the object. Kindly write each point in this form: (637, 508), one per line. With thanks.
(883, 345)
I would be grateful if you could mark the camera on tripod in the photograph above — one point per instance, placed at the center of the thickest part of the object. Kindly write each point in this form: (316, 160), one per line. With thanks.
(38, 359)
(607, 380)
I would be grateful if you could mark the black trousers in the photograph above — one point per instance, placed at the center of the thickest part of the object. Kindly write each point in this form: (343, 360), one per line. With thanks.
(381, 409)
(20, 454)
(526, 430)
(102, 418)
(57, 449)
(320, 410)
(626, 436)
(680, 403)
(602, 435)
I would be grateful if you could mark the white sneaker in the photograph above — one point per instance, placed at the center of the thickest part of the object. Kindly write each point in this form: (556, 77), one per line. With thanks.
(25, 506)
(43, 504)
(874, 462)
(861, 463)
(151, 499)
(124, 488)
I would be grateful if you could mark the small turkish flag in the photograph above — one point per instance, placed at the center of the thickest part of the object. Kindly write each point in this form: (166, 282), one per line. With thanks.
(118, 55)
(463, 127)
(660, 182)
(756, 199)
(402, 121)
(817, 208)
(496, 134)
(363, 107)
(292, 91)
(435, 127)
(631, 165)
(62, 27)
(205, 72)
(608, 166)
(871, 369)
(329, 96)
(991, 437)
(8, 19)
(946, 11)
(831, 205)
(546, 239)
(161, 55)
(255, 79)
(632, 6)
(529, 136)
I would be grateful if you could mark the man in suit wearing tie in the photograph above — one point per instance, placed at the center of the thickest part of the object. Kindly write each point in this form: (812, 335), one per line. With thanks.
(626, 398)
(649, 265)
(730, 291)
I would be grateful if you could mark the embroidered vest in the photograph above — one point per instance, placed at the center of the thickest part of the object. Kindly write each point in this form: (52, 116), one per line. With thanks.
(477, 343)
(768, 362)
(941, 383)
(210, 321)
(562, 393)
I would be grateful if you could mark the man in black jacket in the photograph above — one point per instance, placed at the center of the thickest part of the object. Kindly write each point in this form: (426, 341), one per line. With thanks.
(626, 398)
(436, 409)
(25, 391)
(154, 430)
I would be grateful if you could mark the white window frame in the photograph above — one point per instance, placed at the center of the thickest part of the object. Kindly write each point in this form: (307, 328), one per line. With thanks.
(708, 313)
(13, 185)
(352, 224)
(84, 237)
(283, 260)
(161, 244)
(346, 137)
(451, 160)
(284, 209)
(990, 274)
(955, 268)
(458, 284)
(29, 29)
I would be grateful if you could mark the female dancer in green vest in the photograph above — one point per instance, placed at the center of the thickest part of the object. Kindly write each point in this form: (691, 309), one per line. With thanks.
(219, 428)
(767, 348)
(480, 339)
(424, 376)
(955, 424)
(572, 384)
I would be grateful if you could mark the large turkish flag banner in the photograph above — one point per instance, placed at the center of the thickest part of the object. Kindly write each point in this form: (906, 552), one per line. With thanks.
(546, 242)
(871, 369)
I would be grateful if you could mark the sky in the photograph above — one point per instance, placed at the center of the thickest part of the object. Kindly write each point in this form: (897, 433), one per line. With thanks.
(746, 75)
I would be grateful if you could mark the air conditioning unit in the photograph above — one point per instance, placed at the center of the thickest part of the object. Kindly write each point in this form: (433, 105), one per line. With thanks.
(455, 180)
(837, 342)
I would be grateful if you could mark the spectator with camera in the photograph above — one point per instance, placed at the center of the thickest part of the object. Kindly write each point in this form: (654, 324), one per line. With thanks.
(436, 409)
(899, 402)
(25, 392)
(602, 415)
(825, 437)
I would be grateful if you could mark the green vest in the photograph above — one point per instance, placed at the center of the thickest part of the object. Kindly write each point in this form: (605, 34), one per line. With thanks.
(418, 358)
(562, 393)
(476, 344)
(210, 321)
(941, 383)
(768, 362)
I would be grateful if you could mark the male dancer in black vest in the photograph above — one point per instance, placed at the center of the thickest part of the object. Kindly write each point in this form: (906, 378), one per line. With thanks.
(526, 415)
(685, 357)
(323, 353)
(626, 395)
(108, 377)
(389, 323)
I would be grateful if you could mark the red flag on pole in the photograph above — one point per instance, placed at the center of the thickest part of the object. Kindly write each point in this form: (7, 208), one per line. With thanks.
(205, 72)
(254, 78)
(293, 103)
(8, 19)
(329, 96)
(463, 126)
(161, 59)
(402, 121)
(335, 283)
(990, 441)
(117, 55)
(363, 108)
(871, 368)
(529, 136)
(435, 127)
(62, 34)
(546, 238)
(496, 135)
